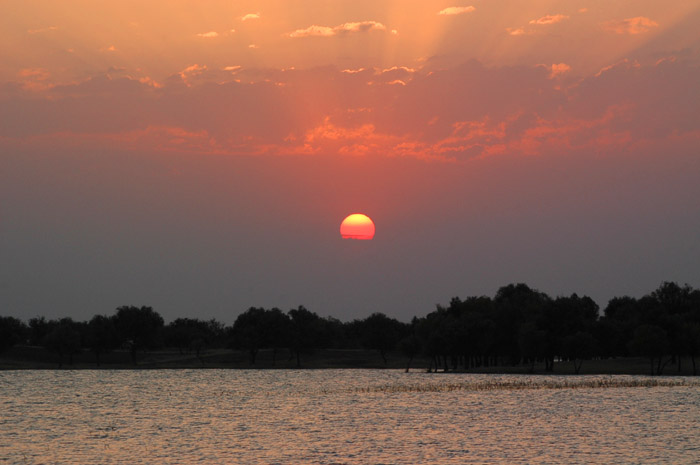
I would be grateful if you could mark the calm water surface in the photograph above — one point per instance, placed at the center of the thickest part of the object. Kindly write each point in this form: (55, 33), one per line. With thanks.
(342, 417)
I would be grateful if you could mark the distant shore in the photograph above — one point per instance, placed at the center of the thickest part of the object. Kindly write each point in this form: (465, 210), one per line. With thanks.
(38, 358)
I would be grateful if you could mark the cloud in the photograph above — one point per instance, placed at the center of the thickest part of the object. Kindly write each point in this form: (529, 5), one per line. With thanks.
(39, 74)
(549, 19)
(636, 25)
(208, 35)
(519, 31)
(456, 10)
(458, 113)
(558, 69)
(191, 72)
(250, 16)
(314, 31)
(34, 79)
(43, 29)
(405, 69)
(326, 31)
(353, 71)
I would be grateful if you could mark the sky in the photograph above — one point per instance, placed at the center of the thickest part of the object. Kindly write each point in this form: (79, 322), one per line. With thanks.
(199, 157)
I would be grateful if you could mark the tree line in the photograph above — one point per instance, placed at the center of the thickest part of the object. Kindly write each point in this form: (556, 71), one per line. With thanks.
(518, 326)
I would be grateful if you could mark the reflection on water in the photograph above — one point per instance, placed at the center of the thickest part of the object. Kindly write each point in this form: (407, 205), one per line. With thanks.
(343, 417)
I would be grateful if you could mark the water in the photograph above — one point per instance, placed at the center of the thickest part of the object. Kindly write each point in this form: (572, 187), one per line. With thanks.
(343, 417)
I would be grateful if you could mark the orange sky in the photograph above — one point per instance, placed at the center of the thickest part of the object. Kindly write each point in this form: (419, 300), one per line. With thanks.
(491, 141)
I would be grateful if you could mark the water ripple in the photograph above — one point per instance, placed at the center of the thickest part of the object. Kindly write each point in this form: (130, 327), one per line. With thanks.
(343, 417)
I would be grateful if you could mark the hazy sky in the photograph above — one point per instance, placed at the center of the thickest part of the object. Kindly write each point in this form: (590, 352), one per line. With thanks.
(199, 157)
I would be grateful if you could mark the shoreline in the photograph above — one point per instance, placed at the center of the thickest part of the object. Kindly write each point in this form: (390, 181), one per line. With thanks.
(36, 358)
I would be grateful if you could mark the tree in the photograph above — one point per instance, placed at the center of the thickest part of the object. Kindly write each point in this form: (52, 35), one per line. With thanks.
(249, 331)
(381, 333)
(515, 305)
(277, 331)
(187, 334)
(432, 333)
(674, 305)
(691, 341)
(38, 329)
(578, 347)
(307, 331)
(12, 331)
(565, 317)
(532, 343)
(64, 339)
(138, 328)
(650, 341)
(101, 336)
(410, 346)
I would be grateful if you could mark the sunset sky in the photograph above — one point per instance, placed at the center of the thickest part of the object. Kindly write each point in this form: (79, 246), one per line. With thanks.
(199, 157)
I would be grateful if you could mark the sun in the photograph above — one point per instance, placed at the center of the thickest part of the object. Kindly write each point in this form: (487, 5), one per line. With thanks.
(357, 226)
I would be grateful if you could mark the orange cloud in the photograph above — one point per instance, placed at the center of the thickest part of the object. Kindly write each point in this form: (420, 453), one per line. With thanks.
(209, 34)
(191, 71)
(516, 31)
(466, 112)
(558, 69)
(314, 31)
(397, 68)
(568, 134)
(326, 31)
(43, 29)
(549, 19)
(34, 79)
(456, 10)
(250, 16)
(39, 74)
(362, 140)
(636, 25)
(156, 138)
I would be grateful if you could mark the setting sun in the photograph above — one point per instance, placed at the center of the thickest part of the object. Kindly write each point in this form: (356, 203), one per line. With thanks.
(357, 226)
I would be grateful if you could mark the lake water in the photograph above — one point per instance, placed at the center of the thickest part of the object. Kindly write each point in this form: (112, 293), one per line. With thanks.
(343, 417)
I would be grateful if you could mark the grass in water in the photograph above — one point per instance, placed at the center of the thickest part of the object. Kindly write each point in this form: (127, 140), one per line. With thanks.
(514, 385)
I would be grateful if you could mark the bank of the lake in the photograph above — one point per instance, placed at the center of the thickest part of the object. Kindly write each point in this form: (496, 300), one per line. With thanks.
(32, 358)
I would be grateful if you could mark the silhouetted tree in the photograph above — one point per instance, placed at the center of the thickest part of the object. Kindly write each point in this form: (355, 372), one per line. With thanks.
(278, 331)
(690, 336)
(250, 331)
(12, 331)
(431, 332)
(532, 343)
(306, 332)
(563, 317)
(101, 336)
(63, 339)
(516, 304)
(650, 341)
(38, 329)
(193, 334)
(138, 328)
(674, 305)
(578, 347)
(410, 347)
(381, 333)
